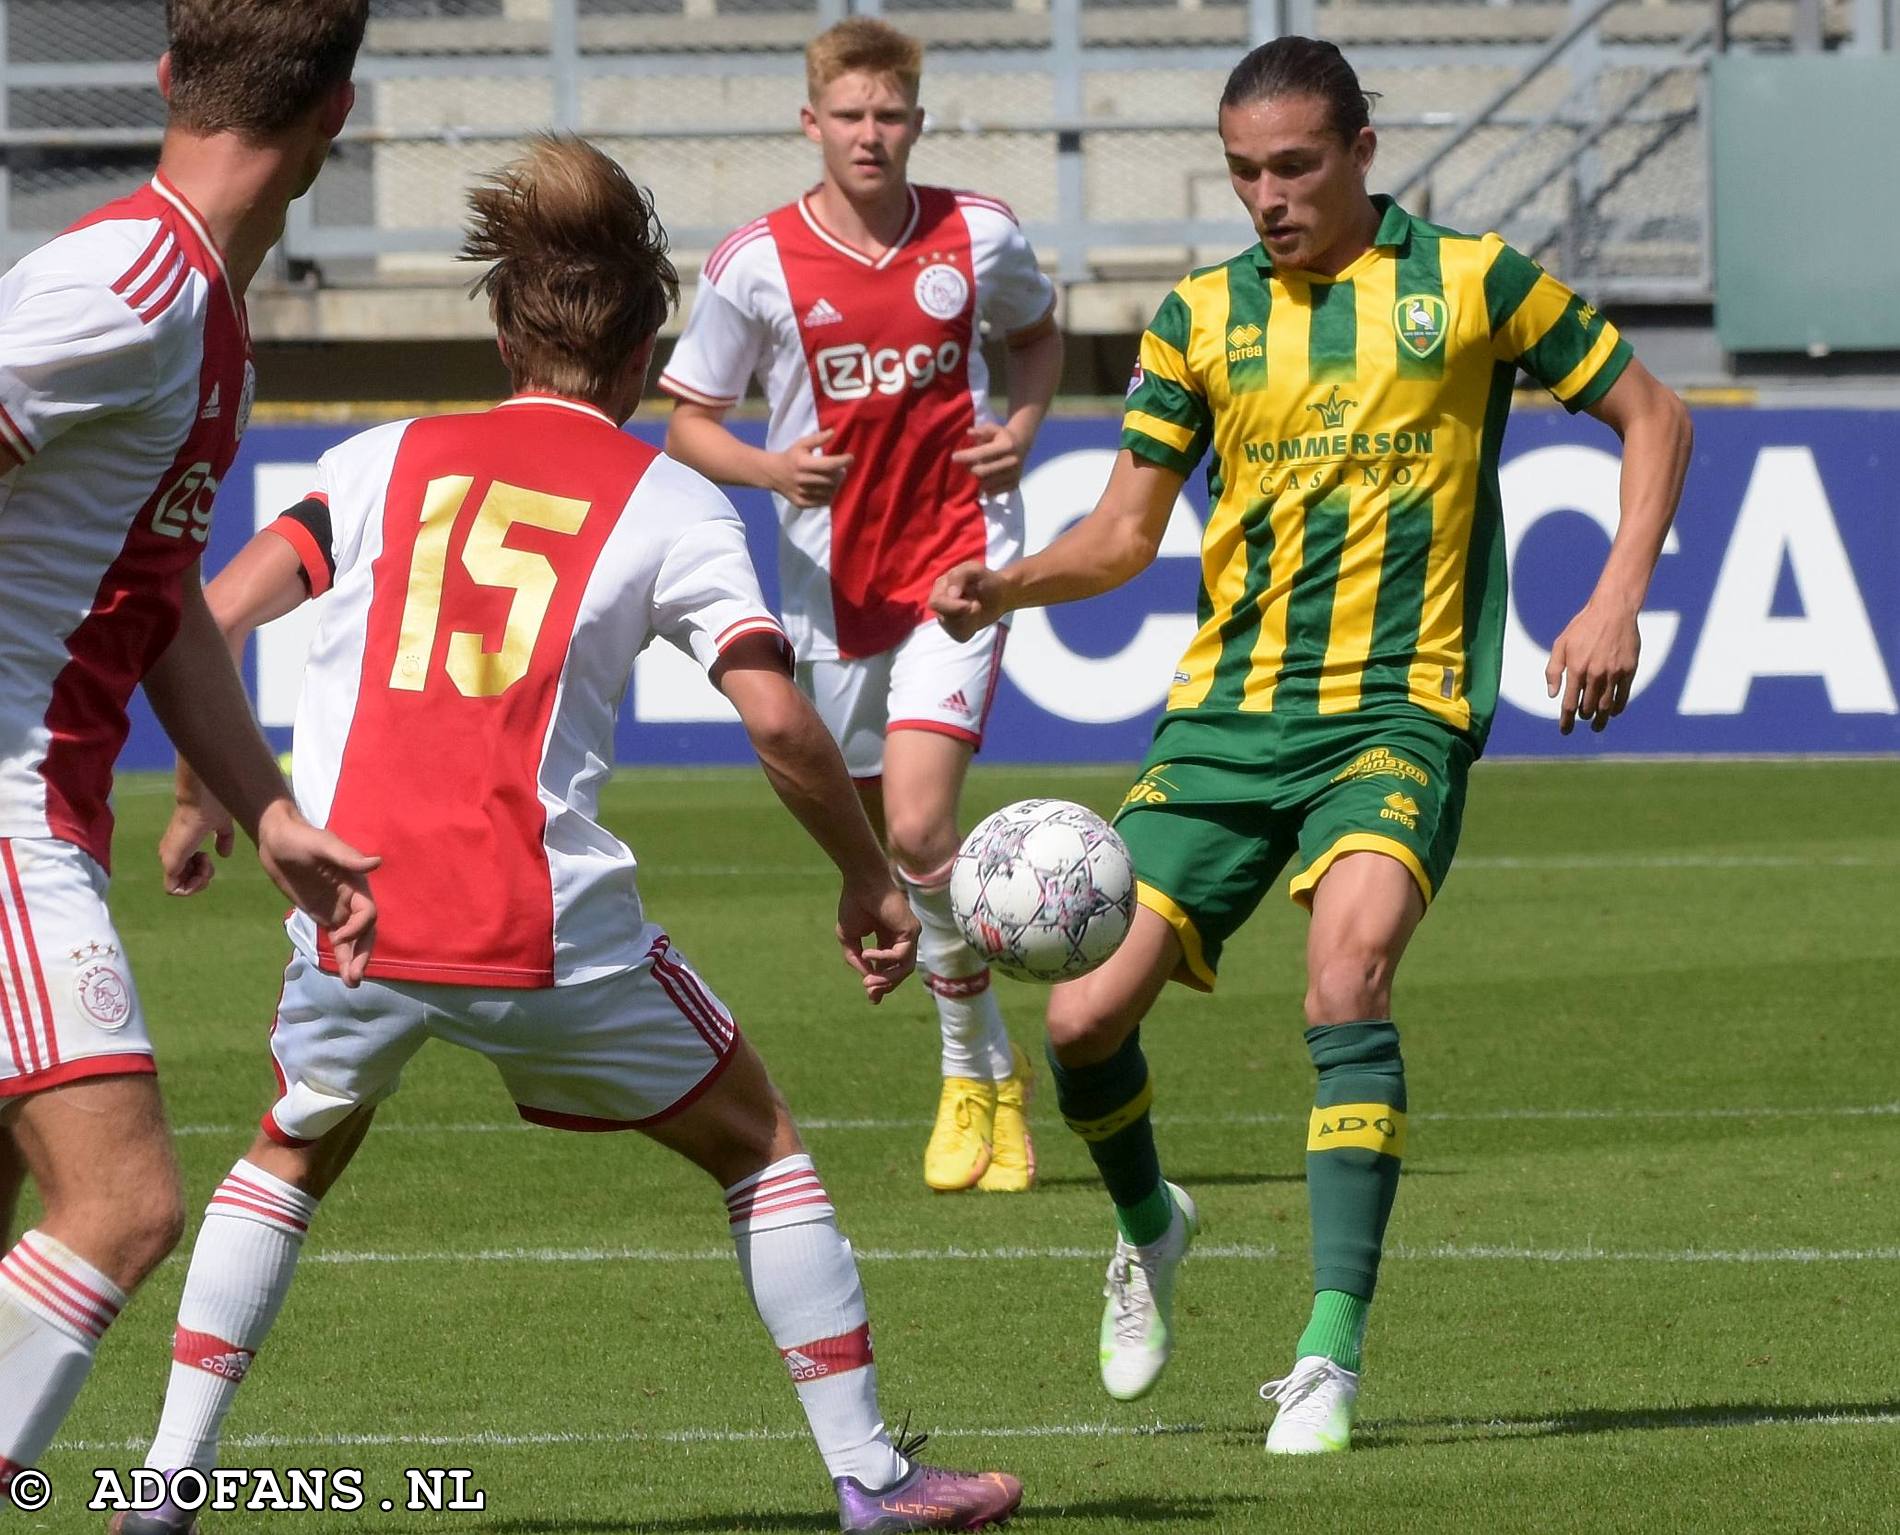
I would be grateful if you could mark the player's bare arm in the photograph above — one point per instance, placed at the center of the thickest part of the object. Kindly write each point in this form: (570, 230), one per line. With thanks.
(263, 582)
(807, 773)
(1112, 545)
(804, 474)
(1032, 368)
(196, 693)
(1594, 659)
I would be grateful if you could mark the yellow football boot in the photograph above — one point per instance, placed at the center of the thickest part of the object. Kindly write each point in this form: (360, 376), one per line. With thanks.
(959, 1149)
(1012, 1168)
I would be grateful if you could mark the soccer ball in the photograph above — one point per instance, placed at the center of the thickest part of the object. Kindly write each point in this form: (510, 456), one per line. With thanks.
(1043, 890)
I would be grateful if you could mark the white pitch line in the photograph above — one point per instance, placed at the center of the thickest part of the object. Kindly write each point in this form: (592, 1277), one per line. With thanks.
(1205, 1252)
(500, 1441)
(1687, 1418)
(1474, 863)
(1474, 1116)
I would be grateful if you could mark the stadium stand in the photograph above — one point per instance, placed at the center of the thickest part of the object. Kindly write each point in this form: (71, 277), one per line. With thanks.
(1575, 128)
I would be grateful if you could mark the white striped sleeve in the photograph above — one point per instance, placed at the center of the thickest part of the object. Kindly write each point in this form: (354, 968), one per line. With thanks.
(1013, 291)
(724, 340)
(706, 597)
(71, 351)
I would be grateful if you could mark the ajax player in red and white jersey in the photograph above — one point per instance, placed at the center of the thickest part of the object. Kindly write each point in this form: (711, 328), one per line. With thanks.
(125, 381)
(490, 580)
(861, 309)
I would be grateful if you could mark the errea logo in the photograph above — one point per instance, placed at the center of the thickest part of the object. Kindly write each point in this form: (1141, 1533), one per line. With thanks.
(1586, 315)
(1243, 342)
(1402, 808)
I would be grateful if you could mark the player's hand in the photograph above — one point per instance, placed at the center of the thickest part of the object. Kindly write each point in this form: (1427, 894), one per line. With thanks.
(883, 914)
(1593, 664)
(327, 878)
(186, 867)
(996, 458)
(809, 476)
(967, 599)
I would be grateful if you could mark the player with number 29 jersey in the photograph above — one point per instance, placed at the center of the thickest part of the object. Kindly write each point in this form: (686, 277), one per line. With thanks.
(126, 325)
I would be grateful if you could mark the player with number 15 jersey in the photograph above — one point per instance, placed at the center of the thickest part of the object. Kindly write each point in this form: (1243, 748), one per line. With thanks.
(488, 580)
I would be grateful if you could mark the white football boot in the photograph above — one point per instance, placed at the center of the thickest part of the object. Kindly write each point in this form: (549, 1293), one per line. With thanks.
(1315, 1401)
(1138, 1322)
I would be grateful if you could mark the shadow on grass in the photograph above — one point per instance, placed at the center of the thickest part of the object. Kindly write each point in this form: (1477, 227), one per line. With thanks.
(1192, 1181)
(1164, 1512)
(1167, 1512)
(1391, 1432)
(707, 1522)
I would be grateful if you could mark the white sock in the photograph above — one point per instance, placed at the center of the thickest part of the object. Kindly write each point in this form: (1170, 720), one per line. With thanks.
(240, 1272)
(800, 1274)
(54, 1308)
(975, 1042)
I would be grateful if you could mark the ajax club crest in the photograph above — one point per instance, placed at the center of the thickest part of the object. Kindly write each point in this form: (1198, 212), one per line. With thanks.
(1419, 319)
(942, 291)
(100, 987)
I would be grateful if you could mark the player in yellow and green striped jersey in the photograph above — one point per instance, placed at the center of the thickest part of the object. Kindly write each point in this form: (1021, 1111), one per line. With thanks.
(1346, 382)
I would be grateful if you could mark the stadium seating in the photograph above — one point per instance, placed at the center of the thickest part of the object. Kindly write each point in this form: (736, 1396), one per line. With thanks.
(1597, 163)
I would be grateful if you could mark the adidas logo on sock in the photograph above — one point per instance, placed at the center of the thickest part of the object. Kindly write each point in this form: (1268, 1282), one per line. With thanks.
(822, 313)
(232, 1366)
(803, 1366)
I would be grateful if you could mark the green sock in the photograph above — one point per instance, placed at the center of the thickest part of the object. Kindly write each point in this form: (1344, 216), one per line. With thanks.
(1107, 1105)
(1354, 1142)
(1337, 1329)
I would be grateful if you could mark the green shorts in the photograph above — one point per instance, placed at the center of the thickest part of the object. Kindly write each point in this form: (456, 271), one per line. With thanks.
(1221, 808)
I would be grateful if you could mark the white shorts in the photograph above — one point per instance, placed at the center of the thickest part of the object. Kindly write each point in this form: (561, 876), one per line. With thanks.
(620, 1053)
(67, 1005)
(926, 682)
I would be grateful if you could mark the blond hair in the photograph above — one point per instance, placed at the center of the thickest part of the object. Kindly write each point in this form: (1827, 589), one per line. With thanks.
(581, 277)
(253, 67)
(863, 45)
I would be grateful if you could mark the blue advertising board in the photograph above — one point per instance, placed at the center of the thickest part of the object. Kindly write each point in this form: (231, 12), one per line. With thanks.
(1773, 624)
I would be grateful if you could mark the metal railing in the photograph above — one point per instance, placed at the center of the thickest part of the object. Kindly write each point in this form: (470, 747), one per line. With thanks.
(1573, 127)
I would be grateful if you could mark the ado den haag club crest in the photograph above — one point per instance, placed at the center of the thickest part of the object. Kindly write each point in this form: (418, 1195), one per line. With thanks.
(1419, 319)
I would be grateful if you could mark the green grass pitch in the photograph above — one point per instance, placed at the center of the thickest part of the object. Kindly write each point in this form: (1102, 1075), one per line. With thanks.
(1645, 1263)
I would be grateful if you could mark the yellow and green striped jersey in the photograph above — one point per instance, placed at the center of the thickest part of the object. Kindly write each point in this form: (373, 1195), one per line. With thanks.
(1354, 556)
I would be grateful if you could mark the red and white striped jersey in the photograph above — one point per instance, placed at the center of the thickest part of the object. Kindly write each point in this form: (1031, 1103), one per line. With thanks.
(887, 352)
(125, 383)
(495, 575)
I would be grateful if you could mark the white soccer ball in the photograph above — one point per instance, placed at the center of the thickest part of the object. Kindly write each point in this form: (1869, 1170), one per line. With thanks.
(1043, 890)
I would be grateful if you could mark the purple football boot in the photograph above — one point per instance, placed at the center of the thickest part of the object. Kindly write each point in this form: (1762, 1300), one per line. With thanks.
(163, 1520)
(930, 1498)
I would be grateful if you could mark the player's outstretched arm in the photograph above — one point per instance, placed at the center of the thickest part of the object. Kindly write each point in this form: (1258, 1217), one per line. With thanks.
(265, 581)
(195, 691)
(1594, 660)
(1113, 544)
(804, 767)
(804, 474)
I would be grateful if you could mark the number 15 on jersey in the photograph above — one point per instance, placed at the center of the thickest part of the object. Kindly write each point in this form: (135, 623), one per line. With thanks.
(477, 671)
